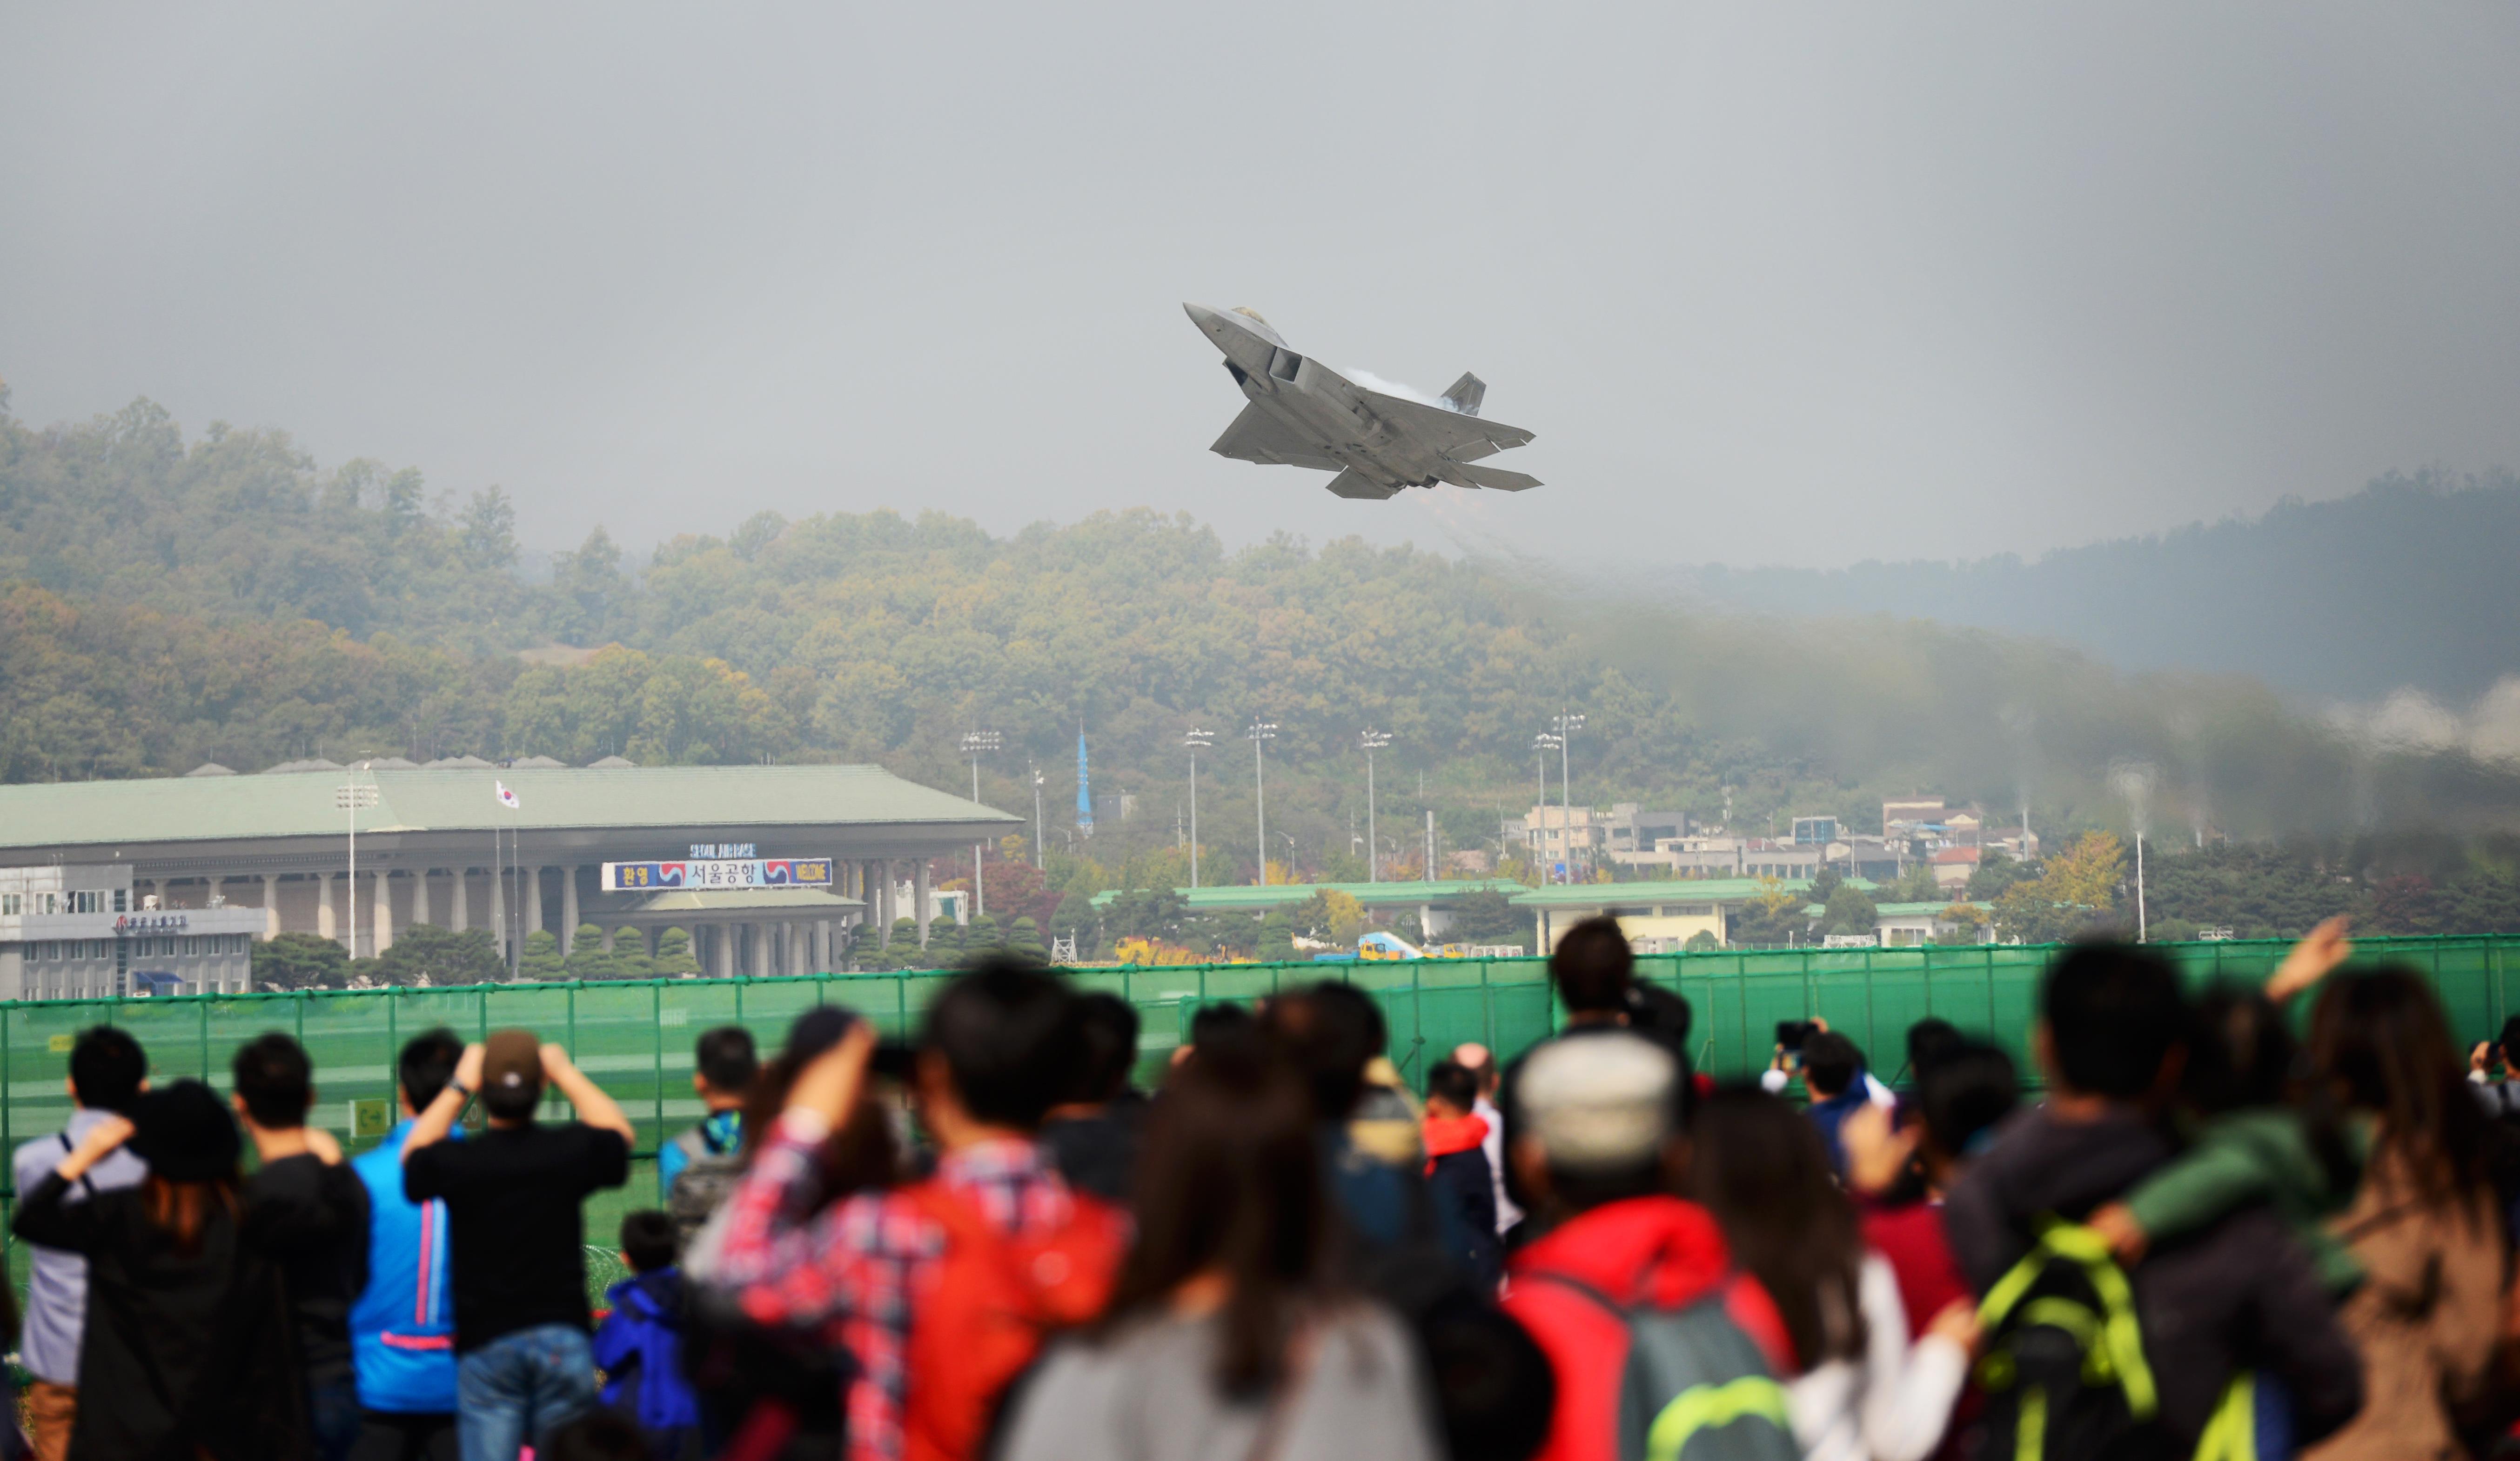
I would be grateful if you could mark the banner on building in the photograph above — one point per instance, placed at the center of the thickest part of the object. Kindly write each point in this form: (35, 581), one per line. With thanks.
(735, 872)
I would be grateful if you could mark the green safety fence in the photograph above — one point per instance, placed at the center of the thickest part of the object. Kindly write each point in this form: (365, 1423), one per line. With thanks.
(635, 1037)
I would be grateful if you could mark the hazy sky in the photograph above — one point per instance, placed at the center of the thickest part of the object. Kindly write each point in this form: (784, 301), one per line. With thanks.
(1801, 284)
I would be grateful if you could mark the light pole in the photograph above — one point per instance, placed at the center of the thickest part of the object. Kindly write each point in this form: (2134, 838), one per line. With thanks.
(1566, 724)
(1036, 814)
(350, 797)
(1374, 741)
(1196, 740)
(975, 744)
(1261, 732)
(1543, 743)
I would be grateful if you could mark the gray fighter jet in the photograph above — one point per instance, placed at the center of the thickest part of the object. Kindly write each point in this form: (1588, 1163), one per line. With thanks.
(1304, 413)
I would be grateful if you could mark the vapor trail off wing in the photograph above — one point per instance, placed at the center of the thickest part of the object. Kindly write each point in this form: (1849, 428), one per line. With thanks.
(1257, 437)
(1458, 436)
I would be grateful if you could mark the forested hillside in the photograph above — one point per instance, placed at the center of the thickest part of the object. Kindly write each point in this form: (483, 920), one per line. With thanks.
(224, 598)
(2407, 583)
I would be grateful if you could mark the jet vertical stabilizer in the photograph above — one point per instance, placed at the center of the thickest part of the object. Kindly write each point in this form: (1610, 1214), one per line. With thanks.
(1465, 394)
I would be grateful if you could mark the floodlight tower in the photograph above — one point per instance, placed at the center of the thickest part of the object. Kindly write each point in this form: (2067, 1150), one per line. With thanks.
(1566, 724)
(1036, 814)
(1373, 740)
(1543, 743)
(1196, 740)
(1260, 734)
(351, 797)
(975, 744)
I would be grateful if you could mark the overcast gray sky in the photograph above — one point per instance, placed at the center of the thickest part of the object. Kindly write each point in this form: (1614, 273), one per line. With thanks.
(1798, 284)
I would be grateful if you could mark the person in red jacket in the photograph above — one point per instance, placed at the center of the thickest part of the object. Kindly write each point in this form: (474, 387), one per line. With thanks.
(1600, 1154)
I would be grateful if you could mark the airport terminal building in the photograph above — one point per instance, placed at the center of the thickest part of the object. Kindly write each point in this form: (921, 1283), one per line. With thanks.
(768, 867)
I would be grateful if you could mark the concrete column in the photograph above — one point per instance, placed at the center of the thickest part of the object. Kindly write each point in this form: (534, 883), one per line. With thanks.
(567, 908)
(608, 935)
(461, 917)
(271, 904)
(823, 959)
(799, 951)
(880, 902)
(381, 937)
(920, 871)
(1540, 930)
(420, 909)
(216, 892)
(532, 913)
(722, 938)
(324, 926)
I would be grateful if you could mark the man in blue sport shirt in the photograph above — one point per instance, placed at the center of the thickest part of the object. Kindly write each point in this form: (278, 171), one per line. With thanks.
(402, 1330)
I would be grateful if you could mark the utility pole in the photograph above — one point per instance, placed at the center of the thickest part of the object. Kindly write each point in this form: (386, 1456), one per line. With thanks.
(1198, 740)
(1261, 732)
(1543, 743)
(1430, 848)
(350, 797)
(975, 744)
(1567, 725)
(1374, 741)
(2139, 928)
(1036, 814)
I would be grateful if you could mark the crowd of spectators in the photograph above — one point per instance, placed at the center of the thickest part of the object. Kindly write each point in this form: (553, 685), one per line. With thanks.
(2213, 1225)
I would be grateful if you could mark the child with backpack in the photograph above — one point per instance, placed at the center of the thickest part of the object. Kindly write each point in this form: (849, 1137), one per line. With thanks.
(2079, 1355)
(1457, 1166)
(697, 1169)
(942, 1291)
(639, 1345)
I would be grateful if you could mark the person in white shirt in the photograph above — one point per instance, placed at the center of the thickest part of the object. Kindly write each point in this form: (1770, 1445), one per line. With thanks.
(1481, 1061)
(107, 1071)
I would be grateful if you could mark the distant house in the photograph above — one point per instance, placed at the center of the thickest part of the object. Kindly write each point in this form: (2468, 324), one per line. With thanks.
(1952, 866)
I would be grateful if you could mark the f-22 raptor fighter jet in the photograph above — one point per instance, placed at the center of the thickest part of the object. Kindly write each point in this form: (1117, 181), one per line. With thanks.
(1304, 413)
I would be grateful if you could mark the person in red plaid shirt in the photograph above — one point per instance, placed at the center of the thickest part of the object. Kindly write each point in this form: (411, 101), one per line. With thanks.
(992, 1059)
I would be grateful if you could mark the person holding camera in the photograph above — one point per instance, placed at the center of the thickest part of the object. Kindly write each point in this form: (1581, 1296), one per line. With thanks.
(516, 1232)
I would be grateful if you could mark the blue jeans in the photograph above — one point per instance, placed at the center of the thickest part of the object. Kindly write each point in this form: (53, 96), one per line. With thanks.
(519, 1385)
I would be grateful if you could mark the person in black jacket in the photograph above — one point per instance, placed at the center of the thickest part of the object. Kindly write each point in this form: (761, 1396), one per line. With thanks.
(305, 1210)
(1092, 1133)
(187, 1328)
(2240, 1295)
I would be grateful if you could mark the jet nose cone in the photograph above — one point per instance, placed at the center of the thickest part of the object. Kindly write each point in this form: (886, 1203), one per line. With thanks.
(1202, 316)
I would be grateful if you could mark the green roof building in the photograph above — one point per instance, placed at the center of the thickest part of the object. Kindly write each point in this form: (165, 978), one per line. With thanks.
(442, 844)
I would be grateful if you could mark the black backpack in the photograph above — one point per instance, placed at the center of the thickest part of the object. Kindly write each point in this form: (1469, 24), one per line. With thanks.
(2064, 1370)
(1696, 1389)
(708, 1178)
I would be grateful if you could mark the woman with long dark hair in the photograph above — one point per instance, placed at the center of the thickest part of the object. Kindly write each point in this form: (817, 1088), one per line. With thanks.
(186, 1352)
(1229, 1335)
(1862, 1389)
(2424, 1226)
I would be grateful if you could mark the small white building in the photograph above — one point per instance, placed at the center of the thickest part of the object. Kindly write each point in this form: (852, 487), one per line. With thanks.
(69, 932)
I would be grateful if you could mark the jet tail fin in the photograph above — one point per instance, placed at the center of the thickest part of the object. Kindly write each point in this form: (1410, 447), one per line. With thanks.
(1465, 394)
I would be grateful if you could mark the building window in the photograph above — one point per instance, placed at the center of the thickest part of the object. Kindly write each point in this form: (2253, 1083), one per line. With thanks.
(11, 905)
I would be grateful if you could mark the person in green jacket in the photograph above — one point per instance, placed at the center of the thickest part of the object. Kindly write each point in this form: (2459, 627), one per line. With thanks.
(2252, 1139)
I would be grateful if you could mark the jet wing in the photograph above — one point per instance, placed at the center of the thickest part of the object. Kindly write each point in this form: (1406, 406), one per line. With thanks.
(1494, 479)
(1460, 437)
(1258, 436)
